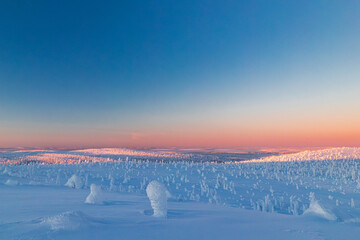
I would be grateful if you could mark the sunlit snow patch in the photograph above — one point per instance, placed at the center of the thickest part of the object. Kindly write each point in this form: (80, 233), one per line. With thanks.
(25, 157)
(17, 158)
(344, 153)
(61, 158)
(130, 152)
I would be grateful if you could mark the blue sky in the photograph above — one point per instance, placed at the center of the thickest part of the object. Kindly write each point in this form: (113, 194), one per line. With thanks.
(170, 68)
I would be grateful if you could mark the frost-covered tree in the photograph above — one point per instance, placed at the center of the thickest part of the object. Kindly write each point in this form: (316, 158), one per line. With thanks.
(157, 194)
(95, 196)
(74, 182)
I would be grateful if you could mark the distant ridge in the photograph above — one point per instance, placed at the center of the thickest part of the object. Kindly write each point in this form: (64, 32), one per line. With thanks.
(342, 153)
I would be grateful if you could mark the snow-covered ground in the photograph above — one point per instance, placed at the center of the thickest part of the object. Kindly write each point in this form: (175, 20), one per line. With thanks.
(103, 194)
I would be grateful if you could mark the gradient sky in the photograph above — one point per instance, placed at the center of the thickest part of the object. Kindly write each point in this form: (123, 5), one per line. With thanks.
(179, 73)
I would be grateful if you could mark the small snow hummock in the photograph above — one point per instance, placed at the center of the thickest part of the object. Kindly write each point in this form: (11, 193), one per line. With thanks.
(95, 195)
(74, 182)
(316, 209)
(67, 221)
(157, 194)
(11, 182)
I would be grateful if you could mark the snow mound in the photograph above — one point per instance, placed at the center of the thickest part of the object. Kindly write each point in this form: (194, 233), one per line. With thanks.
(157, 194)
(67, 221)
(74, 182)
(316, 209)
(344, 153)
(95, 195)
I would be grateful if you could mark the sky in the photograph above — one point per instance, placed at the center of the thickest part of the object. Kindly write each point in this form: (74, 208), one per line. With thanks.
(179, 73)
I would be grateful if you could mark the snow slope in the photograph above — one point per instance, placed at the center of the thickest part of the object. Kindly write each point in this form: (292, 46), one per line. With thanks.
(344, 153)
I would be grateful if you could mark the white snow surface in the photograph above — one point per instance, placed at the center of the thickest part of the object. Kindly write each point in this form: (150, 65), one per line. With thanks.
(344, 153)
(209, 200)
(66, 221)
(131, 152)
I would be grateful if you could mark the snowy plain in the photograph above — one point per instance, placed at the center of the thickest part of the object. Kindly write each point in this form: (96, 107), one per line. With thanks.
(102, 194)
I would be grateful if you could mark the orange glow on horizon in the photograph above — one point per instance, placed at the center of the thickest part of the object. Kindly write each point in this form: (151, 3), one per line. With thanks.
(224, 137)
(295, 129)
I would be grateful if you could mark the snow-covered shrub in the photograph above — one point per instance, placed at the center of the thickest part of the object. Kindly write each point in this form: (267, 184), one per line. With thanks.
(157, 194)
(316, 209)
(95, 196)
(352, 203)
(11, 182)
(74, 182)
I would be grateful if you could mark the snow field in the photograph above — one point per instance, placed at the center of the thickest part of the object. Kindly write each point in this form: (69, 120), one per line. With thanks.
(326, 191)
(281, 187)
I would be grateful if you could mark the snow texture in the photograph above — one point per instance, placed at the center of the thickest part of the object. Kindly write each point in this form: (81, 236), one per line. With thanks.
(74, 182)
(257, 199)
(66, 221)
(344, 153)
(316, 209)
(11, 182)
(157, 194)
(95, 196)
